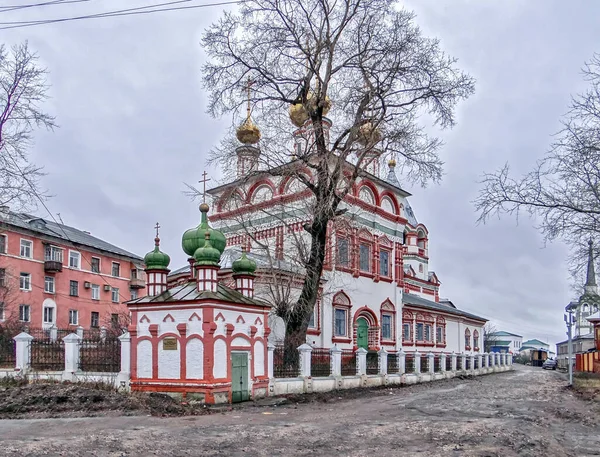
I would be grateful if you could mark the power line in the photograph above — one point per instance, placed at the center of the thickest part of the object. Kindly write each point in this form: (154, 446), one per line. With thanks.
(6, 8)
(126, 12)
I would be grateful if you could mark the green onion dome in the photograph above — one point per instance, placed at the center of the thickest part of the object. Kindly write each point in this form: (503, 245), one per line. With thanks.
(194, 238)
(207, 254)
(157, 260)
(244, 265)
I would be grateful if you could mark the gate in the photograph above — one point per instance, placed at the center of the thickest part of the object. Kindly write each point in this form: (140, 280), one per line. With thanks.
(239, 377)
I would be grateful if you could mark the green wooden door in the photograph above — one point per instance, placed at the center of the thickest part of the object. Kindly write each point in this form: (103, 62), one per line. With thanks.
(362, 333)
(239, 377)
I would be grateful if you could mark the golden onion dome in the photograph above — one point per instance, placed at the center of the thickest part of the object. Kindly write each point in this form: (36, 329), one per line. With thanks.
(392, 163)
(248, 132)
(367, 134)
(298, 114)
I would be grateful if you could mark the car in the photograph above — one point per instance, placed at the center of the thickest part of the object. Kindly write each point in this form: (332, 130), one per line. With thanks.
(549, 364)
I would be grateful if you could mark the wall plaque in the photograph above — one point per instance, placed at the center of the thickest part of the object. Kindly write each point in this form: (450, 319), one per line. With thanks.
(169, 344)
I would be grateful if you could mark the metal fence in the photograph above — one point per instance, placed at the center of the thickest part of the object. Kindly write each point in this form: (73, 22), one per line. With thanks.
(320, 362)
(436, 363)
(348, 362)
(424, 363)
(372, 362)
(47, 355)
(392, 363)
(448, 362)
(8, 356)
(100, 356)
(468, 363)
(285, 364)
(410, 363)
(459, 363)
(476, 363)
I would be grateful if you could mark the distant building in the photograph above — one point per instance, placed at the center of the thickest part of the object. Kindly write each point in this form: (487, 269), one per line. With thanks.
(503, 342)
(536, 351)
(53, 274)
(587, 305)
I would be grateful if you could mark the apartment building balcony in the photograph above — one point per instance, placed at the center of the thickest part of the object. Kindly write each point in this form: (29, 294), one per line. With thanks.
(135, 283)
(53, 266)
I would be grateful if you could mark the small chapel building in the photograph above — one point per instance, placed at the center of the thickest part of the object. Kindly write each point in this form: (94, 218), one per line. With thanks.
(200, 339)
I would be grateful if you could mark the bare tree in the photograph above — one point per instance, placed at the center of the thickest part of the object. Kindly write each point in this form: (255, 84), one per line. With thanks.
(562, 192)
(23, 89)
(489, 337)
(368, 62)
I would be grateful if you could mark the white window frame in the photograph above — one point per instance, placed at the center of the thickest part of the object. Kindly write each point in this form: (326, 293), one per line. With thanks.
(22, 308)
(49, 290)
(5, 251)
(28, 277)
(134, 294)
(21, 247)
(95, 296)
(112, 265)
(92, 319)
(56, 253)
(78, 267)
(44, 320)
(113, 291)
(99, 265)
(73, 317)
(335, 333)
(391, 335)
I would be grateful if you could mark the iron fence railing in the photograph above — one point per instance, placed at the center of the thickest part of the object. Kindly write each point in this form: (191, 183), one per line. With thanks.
(286, 364)
(468, 363)
(8, 356)
(372, 362)
(348, 362)
(436, 363)
(459, 363)
(47, 355)
(100, 356)
(448, 362)
(320, 363)
(409, 363)
(476, 363)
(392, 363)
(424, 363)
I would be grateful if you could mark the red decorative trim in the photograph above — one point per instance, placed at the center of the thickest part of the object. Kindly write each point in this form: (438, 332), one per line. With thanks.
(144, 318)
(261, 182)
(169, 317)
(258, 321)
(194, 315)
(220, 316)
(371, 187)
(239, 319)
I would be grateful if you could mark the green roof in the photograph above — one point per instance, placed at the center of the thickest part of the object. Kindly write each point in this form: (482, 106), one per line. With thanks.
(502, 333)
(500, 343)
(534, 343)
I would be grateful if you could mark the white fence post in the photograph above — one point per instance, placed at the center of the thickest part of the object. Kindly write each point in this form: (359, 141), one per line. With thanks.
(71, 356)
(417, 362)
(472, 362)
(103, 334)
(443, 362)
(53, 333)
(383, 361)
(23, 352)
(79, 332)
(125, 373)
(305, 359)
(401, 361)
(271, 351)
(484, 362)
(463, 364)
(361, 361)
(336, 360)
(431, 358)
(453, 355)
(479, 361)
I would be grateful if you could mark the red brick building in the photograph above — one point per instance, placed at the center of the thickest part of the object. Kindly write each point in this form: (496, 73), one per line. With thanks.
(53, 274)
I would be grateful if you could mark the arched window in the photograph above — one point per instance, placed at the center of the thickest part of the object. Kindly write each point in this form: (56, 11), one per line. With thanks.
(365, 251)
(341, 315)
(595, 309)
(366, 195)
(467, 339)
(440, 332)
(388, 321)
(261, 194)
(421, 239)
(475, 340)
(424, 328)
(387, 205)
(407, 327)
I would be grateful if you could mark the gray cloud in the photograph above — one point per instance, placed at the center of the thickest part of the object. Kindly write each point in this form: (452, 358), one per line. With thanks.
(126, 93)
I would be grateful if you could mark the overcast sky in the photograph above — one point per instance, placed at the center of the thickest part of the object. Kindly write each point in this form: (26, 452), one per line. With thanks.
(126, 93)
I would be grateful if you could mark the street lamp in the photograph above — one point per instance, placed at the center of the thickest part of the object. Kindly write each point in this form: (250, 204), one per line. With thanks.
(570, 320)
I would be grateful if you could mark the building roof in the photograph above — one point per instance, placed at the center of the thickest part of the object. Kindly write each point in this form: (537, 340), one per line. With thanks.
(500, 343)
(189, 293)
(589, 336)
(534, 342)
(69, 235)
(503, 333)
(414, 300)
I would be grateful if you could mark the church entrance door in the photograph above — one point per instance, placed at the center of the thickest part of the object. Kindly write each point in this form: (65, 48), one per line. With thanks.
(239, 377)
(362, 333)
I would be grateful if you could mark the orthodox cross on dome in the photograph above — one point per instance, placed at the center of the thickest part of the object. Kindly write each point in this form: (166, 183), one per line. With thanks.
(157, 239)
(203, 181)
(248, 87)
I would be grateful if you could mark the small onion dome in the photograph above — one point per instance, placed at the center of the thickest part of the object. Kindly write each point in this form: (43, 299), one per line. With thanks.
(248, 132)
(207, 254)
(367, 134)
(194, 238)
(392, 163)
(244, 265)
(298, 114)
(156, 260)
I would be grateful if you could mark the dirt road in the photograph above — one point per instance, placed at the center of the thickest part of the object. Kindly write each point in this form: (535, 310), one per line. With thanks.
(527, 412)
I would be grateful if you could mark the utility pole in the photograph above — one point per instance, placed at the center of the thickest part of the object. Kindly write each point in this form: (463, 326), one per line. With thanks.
(569, 321)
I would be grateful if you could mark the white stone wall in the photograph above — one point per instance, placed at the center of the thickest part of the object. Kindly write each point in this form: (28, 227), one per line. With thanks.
(194, 359)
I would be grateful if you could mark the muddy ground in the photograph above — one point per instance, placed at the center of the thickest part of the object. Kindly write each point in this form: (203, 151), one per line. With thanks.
(527, 412)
